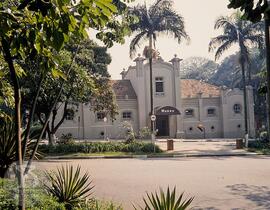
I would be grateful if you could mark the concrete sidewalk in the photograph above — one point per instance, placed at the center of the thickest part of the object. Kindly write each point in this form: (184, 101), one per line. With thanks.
(204, 147)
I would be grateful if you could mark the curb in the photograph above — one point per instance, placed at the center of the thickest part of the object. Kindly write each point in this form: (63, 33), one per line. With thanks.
(149, 156)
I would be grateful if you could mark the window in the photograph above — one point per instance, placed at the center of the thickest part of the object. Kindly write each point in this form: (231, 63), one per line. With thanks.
(159, 86)
(237, 108)
(127, 115)
(70, 114)
(100, 116)
(211, 112)
(189, 112)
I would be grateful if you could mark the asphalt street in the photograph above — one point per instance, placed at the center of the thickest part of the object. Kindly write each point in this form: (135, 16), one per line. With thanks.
(218, 183)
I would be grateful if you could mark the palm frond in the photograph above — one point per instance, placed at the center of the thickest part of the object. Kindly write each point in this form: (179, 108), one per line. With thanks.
(170, 22)
(159, 18)
(253, 28)
(217, 41)
(135, 43)
(143, 23)
(221, 49)
(224, 23)
(255, 41)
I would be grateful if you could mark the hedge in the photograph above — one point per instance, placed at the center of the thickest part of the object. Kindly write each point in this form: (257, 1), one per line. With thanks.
(99, 147)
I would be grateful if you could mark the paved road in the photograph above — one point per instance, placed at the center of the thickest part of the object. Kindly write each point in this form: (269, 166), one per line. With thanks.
(217, 183)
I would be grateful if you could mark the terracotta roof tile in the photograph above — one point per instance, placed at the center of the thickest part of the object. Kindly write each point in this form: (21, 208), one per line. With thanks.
(123, 89)
(191, 88)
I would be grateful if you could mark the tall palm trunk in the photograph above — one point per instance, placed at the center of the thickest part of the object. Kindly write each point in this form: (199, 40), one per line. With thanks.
(17, 96)
(267, 42)
(242, 64)
(151, 81)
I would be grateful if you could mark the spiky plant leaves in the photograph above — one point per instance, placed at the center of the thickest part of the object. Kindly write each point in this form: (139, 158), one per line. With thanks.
(8, 144)
(168, 201)
(68, 186)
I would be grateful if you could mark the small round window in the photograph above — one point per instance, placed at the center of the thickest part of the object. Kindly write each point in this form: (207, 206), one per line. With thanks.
(237, 108)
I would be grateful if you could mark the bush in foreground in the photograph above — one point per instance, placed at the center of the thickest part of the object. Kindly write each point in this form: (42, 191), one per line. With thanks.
(36, 198)
(168, 201)
(68, 186)
(99, 147)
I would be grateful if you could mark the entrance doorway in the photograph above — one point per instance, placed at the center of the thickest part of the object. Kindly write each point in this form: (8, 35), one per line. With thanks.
(162, 125)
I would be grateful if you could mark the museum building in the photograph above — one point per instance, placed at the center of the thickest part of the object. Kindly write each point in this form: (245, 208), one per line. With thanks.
(184, 108)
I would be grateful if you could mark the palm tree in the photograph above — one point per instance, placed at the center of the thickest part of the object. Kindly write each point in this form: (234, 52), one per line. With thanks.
(157, 19)
(243, 33)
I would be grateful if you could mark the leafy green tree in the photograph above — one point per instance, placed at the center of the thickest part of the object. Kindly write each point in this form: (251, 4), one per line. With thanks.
(88, 80)
(159, 18)
(256, 11)
(198, 68)
(244, 34)
(35, 29)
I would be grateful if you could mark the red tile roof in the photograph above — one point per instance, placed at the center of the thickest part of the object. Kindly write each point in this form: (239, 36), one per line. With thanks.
(123, 89)
(191, 88)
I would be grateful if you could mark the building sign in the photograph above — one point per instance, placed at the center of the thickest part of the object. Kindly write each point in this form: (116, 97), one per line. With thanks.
(167, 110)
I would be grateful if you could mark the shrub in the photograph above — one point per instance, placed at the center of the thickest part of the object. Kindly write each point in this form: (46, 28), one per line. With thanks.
(66, 139)
(96, 147)
(8, 144)
(36, 198)
(170, 201)
(259, 145)
(129, 132)
(145, 133)
(68, 186)
(100, 205)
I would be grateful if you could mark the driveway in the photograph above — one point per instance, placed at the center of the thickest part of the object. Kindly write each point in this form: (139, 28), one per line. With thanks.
(218, 183)
(203, 147)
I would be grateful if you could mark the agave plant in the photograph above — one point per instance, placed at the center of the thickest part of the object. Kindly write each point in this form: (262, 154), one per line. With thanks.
(8, 144)
(68, 186)
(170, 201)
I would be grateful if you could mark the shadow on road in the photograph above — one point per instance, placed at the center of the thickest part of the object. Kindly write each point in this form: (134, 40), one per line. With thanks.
(259, 195)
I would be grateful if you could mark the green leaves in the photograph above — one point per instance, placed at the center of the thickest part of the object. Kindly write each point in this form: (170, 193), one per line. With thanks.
(253, 9)
(168, 201)
(58, 39)
(56, 73)
(68, 186)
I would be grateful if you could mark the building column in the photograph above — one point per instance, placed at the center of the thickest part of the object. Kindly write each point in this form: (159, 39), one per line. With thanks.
(250, 107)
(178, 100)
(141, 94)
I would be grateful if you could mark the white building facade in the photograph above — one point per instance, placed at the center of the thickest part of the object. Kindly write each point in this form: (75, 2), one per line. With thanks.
(184, 108)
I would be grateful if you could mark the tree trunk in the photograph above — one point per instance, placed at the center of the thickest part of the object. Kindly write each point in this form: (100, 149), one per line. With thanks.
(48, 131)
(242, 63)
(29, 163)
(17, 96)
(54, 127)
(31, 117)
(151, 83)
(267, 42)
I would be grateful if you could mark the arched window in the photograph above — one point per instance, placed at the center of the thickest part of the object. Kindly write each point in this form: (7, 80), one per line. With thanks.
(237, 108)
(159, 83)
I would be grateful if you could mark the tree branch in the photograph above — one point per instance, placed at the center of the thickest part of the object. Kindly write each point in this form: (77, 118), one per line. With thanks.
(62, 119)
(49, 115)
